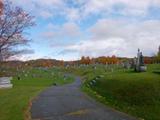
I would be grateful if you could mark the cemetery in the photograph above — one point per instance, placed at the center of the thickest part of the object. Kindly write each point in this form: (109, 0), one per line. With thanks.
(78, 60)
(131, 86)
(130, 89)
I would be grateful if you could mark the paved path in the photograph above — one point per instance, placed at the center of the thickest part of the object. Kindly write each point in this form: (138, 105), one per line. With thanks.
(69, 103)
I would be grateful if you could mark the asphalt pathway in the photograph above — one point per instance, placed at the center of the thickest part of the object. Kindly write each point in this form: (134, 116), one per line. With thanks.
(69, 103)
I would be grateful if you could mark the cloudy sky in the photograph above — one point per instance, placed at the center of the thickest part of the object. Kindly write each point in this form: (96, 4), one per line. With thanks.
(68, 29)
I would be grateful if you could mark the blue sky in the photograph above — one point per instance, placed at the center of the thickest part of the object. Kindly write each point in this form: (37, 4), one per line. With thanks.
(68, 29)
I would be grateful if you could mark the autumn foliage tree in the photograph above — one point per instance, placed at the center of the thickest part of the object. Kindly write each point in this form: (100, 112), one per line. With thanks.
(85, 60)
(100, 60)
(82, 61)
(114, 59)
(108, 60)
(13, 22)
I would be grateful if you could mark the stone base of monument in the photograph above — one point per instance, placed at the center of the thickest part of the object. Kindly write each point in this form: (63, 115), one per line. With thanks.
(143, 68)
(5, 82)
(6, 86)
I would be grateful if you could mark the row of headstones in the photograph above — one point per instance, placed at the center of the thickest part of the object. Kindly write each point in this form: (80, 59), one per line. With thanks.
(34, 75)
(94, 81)
(107, 67)
(5, 82)
(137, 64)
(39, 76)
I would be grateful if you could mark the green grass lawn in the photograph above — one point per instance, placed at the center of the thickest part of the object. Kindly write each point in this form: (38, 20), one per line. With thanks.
(137, 94)
(14, 102)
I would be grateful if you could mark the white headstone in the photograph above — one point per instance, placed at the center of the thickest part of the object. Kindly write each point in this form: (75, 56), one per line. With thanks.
(5, 82)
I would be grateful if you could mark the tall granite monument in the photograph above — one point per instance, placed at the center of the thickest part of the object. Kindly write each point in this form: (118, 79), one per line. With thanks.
(139, 62)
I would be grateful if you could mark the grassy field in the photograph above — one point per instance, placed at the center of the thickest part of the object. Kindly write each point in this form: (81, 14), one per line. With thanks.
(137, 94)
(15, 102)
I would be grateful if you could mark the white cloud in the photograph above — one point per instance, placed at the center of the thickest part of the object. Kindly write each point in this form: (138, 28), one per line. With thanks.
(46, 14)
(42, 8)
(26, 57)
(86, 8)
(136, 7)
(68, 30)
(73, 14)
(120, 37)
(51, 26)
(97, 48)
(49, 2)
(49, 35)
(71, 29)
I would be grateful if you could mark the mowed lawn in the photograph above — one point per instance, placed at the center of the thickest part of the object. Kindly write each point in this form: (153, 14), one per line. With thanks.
(15, 102)
(137, 94)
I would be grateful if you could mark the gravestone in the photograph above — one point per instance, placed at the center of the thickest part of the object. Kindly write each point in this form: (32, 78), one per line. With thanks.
(94, 67)
(5, 82)
(139, 62)
(52, 74)
(26, 75)
(18, 78)
(64, 77)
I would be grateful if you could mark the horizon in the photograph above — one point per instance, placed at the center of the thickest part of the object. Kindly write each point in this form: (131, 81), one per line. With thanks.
(68, 29)
(123, 57)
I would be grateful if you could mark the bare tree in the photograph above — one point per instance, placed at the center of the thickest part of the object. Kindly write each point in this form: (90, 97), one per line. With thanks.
(1, 7)
(13, 22)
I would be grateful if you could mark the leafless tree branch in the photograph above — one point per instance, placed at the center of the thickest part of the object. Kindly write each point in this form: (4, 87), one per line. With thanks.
(13, 22)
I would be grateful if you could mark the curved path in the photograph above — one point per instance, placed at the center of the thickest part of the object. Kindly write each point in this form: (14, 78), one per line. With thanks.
(69, 103)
